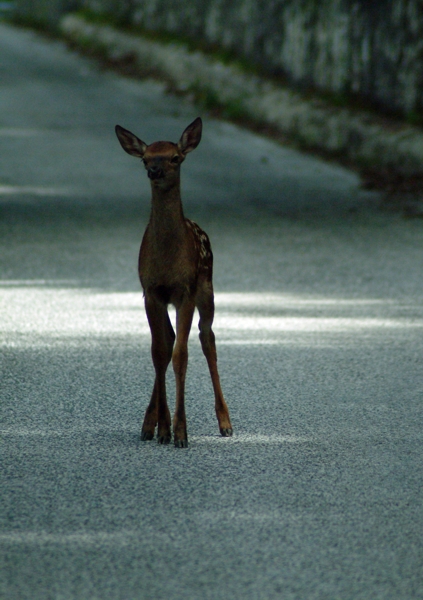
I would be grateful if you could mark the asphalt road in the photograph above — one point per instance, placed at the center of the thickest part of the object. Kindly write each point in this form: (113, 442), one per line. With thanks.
(319, 327)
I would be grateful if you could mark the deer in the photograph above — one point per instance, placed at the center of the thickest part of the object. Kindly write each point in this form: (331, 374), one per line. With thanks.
(175, 267)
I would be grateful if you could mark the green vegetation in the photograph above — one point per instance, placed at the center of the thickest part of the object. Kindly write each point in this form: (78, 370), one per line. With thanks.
(415, 118)
(209, 100)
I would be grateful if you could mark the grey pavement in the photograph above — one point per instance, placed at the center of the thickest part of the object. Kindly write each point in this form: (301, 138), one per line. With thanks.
(319, 327)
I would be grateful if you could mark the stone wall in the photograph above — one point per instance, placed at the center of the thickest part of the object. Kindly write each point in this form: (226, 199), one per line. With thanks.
(369, 49)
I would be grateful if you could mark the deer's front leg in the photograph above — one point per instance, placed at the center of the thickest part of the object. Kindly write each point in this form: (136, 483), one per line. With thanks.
(184, 314)
(163, 338)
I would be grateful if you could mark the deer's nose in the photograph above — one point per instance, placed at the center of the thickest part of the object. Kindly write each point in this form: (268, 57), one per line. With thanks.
(155, 172)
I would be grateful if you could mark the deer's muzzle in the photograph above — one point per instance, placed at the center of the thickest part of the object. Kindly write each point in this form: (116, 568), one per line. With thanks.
(155, 172)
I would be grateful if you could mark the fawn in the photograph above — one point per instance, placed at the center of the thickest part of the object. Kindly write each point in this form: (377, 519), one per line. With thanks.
(175, 267)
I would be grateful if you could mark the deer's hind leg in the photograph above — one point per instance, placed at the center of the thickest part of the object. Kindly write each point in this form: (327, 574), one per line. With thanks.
(205, 305)
(163, 338)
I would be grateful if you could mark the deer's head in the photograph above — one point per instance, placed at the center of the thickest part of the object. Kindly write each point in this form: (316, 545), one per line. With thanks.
(162, 160)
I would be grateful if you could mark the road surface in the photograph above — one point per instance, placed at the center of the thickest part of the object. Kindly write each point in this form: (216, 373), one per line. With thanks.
(319, 327)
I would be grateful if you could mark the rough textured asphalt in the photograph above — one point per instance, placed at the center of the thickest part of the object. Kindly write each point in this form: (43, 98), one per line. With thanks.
(319, 328)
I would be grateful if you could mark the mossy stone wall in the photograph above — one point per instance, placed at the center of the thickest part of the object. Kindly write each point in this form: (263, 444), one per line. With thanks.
(370, 49)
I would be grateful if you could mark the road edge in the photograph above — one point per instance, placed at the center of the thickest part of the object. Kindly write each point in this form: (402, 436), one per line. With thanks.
(361, 139)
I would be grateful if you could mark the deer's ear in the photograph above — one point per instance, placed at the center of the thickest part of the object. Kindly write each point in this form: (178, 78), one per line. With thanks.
(191, 136)
(130, 143)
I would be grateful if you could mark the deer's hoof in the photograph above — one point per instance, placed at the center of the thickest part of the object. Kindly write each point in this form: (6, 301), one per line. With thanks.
(181, 443)
(226, 432)
(146, 436)
(163, 439)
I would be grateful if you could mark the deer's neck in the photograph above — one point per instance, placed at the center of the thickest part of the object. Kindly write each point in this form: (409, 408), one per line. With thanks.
(167, 221)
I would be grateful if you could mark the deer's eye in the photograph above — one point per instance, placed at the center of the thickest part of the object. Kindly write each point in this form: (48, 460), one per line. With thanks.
(174, 160)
